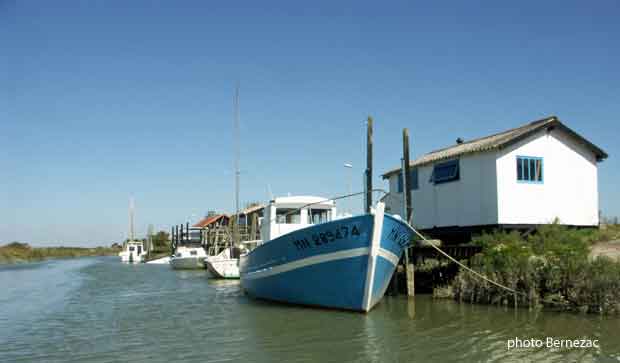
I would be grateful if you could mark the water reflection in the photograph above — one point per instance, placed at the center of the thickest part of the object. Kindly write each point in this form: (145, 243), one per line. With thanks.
(99, 310)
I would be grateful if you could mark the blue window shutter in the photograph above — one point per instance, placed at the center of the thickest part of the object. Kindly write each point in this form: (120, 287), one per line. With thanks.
(414, 179)
(400, 182)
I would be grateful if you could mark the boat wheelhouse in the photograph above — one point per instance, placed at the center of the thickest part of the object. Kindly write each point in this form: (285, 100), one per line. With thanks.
(287, 214)
(133, 252)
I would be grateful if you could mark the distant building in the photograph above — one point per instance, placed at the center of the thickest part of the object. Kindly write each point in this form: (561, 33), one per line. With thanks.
(212, 221)
(250, 220)
(251, 212)
(517, 179)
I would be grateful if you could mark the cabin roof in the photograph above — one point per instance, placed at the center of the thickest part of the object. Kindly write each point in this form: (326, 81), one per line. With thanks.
(302, 200)
(252, 209)
(207, 221)
(499, 141)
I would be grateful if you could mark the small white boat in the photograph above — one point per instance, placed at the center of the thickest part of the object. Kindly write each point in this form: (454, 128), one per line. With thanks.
(133, 252)
(224, 265)
(188, 258)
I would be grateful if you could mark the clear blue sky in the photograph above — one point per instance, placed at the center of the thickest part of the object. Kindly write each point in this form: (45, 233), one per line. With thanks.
(103, 99)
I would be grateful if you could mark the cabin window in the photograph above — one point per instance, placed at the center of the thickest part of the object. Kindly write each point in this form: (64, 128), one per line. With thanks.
(193, 253)
(445, 172)
(413, 175)
(317, 216)
(529, 169)
(139, 250)
(131, 248)
(288, 216)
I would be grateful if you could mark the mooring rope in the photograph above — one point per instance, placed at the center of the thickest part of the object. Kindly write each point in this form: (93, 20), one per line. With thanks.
(474, 272)
(478, 274)
(464, 266)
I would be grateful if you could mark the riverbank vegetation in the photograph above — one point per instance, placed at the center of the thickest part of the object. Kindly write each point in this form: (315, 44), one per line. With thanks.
(551, 267)
(16, 252)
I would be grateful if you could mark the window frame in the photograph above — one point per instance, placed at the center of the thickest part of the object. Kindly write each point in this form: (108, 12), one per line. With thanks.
(526, 161)
(288, 215)
(456, 176)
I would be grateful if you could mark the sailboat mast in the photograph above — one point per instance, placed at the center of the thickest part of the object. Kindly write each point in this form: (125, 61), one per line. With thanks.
(237, 147)
(237, 156)
(131, 211)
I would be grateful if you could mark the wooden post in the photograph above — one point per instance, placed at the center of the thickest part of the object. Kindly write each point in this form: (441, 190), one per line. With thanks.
(172, 239)
(407, 178)
(409, 267)
(410, 270)
(254, 225)
(369, 165)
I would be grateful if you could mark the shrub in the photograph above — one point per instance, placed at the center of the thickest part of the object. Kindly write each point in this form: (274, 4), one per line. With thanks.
(548, 267)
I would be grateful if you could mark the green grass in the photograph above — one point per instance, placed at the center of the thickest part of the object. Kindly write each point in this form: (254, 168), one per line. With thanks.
(549, 267)
(22, 252)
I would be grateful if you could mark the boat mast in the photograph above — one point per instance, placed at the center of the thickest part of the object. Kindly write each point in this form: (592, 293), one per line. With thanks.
(237, 172)
(131, 212)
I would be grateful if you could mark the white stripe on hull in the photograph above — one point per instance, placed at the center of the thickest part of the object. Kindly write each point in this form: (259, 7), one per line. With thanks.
(388, 255)
(314, 260)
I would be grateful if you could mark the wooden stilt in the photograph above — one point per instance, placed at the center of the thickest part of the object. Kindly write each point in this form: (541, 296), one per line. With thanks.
(409, 266)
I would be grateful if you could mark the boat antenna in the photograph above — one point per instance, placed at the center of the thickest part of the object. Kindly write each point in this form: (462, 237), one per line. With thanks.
(237, 156)
(269, 191)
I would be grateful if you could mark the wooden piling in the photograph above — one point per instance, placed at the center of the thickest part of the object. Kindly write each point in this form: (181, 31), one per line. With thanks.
(254, 226)
(176, 243)
(369, 165)
(409, 266)
(410, 274)
(407, 179)
(172, 239)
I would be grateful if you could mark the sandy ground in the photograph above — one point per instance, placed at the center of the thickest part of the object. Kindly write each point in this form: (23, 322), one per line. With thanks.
(609, 249)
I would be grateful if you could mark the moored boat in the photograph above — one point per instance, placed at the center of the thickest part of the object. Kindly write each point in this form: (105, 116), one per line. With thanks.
(188, 257)
(224, 265)
(133, 252)
(311, 257)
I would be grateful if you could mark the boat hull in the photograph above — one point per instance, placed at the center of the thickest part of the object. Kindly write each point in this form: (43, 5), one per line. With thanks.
(223, 266)
(343, 264)
(131, 258)
(187, 263)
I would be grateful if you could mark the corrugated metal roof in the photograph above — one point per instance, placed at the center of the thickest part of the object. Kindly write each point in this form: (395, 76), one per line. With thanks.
(498, 141)
(252, 209)
(206, 221)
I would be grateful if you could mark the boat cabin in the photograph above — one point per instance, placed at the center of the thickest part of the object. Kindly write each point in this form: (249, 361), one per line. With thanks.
(287, 214)
(134, 251)
(135, 247)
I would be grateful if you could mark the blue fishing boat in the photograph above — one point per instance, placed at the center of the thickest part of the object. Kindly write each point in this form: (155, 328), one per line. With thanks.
(309, 256)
